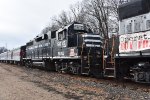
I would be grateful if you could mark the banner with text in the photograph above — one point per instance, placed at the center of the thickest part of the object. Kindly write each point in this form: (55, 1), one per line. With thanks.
(134, 42)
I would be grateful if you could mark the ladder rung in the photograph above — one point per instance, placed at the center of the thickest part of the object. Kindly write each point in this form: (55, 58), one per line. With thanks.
(110, 68)
(86, 67)
(132, 74)
(110, 76)
(126, 78)
(85, 73)
(111, 62)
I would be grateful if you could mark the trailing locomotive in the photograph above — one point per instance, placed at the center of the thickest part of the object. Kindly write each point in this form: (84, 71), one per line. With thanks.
(133, 59)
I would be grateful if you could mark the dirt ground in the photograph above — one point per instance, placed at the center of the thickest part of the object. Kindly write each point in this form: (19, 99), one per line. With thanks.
(20, 83)
(12, 87)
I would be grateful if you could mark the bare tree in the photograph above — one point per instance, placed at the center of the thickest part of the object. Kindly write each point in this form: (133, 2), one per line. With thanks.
(97, 10)
(54, 27)
(102, 15)
(113, 15)
(63, 19)
(46, 29)
(3, 49)
(78, 13)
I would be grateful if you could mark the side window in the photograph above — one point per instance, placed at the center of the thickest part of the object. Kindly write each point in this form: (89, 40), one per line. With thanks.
(60, 36)
(45, 36)
(129, 28)
(53, 34)
(148, 24)
(137, 26)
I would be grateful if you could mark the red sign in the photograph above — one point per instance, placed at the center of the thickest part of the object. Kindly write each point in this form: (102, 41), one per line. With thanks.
(134, 42)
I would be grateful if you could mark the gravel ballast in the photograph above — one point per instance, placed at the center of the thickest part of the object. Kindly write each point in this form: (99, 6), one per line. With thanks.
(21, 83)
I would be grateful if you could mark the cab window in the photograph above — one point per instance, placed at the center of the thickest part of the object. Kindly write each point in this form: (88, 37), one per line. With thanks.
(60, 36)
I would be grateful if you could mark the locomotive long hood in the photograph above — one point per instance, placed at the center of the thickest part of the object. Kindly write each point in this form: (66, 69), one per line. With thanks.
(134, 42)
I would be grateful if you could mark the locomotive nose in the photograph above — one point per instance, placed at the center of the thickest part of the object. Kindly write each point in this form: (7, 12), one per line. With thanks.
(92, 40)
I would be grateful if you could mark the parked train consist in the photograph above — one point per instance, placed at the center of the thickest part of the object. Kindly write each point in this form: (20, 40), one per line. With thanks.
(71, 49)
(75, 49)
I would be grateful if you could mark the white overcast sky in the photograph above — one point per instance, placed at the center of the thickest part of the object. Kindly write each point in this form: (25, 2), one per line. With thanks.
(22, 20)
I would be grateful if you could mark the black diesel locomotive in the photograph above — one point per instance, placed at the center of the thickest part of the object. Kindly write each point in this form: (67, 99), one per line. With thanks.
(72, 49)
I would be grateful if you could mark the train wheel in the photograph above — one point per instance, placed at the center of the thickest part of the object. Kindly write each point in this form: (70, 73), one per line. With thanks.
(58, 67)
(74, 68)
(28, 64)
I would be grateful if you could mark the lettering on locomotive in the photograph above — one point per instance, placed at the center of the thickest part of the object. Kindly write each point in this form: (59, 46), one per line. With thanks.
(134, 42)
